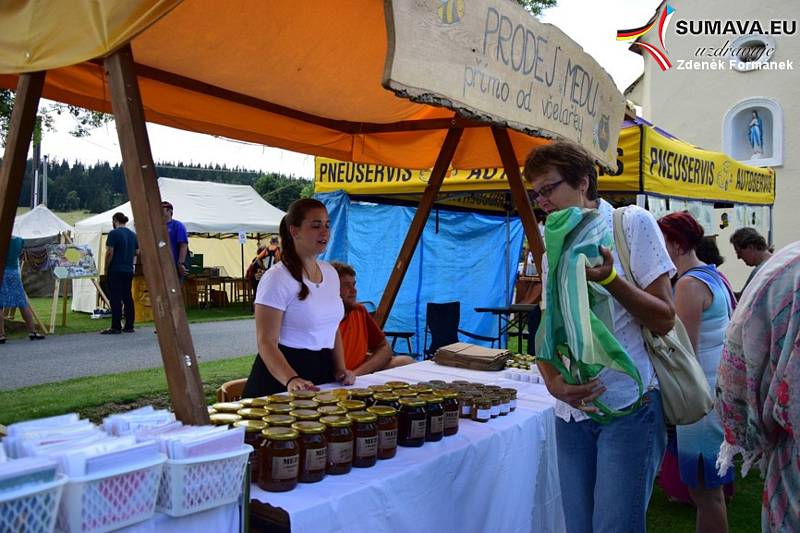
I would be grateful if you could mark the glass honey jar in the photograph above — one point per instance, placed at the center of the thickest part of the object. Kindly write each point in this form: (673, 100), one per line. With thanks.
(339, 437)
(365, 433)
(253, 437)
(411, 422)
(451, 409)
(388, 399)
(434, 421)
(280, 460)
(313, 451)
(387, 430)
(362, 395)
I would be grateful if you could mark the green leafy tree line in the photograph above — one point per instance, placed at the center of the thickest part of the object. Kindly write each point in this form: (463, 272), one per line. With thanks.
(101, 186)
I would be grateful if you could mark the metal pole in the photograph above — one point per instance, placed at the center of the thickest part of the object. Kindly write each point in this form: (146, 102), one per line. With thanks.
(508, 257)
(44, 182)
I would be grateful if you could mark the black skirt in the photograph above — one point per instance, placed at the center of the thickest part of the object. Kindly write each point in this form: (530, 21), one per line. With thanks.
(315, 366)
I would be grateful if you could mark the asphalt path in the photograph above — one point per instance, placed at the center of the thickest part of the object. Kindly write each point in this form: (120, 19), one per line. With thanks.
(60, 357)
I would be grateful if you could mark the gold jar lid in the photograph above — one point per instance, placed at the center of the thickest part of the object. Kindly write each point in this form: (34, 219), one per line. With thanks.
(279, 398)
(352, 405)
(326, 398)
(303, 394)
(227, 407)
(251, 426)
(446, 393)
(386, 397)
(341, 394)
(308, 427)
(460, 382)
(510, 391)
(412, 402)
(362, 417)
(279, 420)
(492, 387)
(336, 421)
(382, 410)
(223, 419)
(360, 393)
(379, 389)
(253, 413)
(280, 433)
(304, 404)
(331, 410)
(253, 402)
(396, 384)
(482, 402)
(430, 398)
(211, 410)
(421, 389)
(305, 414)
(279, 408)
(437, 382)
(405, 393)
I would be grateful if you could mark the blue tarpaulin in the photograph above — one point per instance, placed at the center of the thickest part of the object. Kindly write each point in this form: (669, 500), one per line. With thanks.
(466, 257)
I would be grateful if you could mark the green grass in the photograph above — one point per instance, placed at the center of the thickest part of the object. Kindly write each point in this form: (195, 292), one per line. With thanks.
(97, 397)
(82, 322)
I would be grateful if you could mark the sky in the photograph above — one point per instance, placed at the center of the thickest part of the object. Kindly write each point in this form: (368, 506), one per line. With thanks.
(591, 23)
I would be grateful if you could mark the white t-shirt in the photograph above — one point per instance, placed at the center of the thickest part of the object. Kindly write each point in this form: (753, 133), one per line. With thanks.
(649, 260)
(309, 324)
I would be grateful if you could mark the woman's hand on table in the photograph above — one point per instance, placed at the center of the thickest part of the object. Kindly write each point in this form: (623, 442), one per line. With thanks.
(578, 396)
(346, 377)
(297, 384)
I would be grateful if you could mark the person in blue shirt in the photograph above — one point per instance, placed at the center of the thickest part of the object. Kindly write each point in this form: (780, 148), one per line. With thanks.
(178, 238)
(12, 293)
(122, 247)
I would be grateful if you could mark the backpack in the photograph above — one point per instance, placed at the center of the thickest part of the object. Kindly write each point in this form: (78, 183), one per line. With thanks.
(685, 392)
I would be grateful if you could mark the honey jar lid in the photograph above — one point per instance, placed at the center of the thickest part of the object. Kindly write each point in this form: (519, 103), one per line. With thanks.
(280, 433)
(512, 392)
(421, 389)
(227, 407)
(405, 393)
(251, 426)
(379, 389)
(253, 402)
(352, 405)
(302, 394)
(309, 427)
(279, 420)
(360, 393)
(278, 408)
(304, 404)
(223, 419)
(492, 387)
(211, 410)
(326, 398)
(279, 398)
(397, 384)
(430, 398)
(362, 417)
(305, 414)
(382, 410)
(446, 393)
(412, 402)
(253, 413)
(331, 410)
(336, 421)
(342, 394)
(386, 396)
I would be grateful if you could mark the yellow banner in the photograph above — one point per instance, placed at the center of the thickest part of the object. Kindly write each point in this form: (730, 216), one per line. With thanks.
(674, 168)
(626, 178)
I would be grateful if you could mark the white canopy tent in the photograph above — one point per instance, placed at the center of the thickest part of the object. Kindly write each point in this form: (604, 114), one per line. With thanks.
(39, 226)
(214, 214)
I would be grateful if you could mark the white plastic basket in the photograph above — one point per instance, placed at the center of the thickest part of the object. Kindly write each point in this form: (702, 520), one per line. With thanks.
(31, 509)
(110, 500)
(192, 485)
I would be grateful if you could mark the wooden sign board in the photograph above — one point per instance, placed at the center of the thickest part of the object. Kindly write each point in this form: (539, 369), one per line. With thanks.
(493, 61)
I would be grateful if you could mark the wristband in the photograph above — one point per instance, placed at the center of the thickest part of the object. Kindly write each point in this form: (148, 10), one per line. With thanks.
(291, 379)
(611, 277)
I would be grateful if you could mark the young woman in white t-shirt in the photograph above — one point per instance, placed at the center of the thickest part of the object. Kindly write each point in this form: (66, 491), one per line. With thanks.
(298, 310)
(607, 470)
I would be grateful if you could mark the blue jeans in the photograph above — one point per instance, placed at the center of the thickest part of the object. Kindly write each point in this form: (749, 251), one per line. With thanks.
(607, 470)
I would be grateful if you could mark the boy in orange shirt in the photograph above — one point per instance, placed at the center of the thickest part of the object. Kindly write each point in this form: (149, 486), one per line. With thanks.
(365, 347)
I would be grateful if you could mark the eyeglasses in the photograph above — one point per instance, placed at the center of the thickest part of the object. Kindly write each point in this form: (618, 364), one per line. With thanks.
(547, 190)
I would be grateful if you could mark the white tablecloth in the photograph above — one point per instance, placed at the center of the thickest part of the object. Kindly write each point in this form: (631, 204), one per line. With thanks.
(224, 519)
(495, 476)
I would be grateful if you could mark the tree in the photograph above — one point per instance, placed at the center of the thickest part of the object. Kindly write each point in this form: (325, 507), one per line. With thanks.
(535, 7)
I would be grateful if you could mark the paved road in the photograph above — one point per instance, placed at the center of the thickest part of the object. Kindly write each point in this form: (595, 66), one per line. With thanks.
(60, 357)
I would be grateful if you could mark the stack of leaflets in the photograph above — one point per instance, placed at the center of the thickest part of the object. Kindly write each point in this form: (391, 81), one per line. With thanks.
(464, 355)
(133, 422)
(22, 473)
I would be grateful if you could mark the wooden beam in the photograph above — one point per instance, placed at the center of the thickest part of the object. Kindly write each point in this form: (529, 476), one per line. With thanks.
(20, 131)
(418, 223)
(519, 194)
(174, 338)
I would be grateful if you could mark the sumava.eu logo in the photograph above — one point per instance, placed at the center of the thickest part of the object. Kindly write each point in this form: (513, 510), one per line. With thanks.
(635, 34)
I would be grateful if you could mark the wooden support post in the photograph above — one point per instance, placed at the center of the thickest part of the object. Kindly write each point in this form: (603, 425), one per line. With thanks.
(418, 224)
(519, 194)
(23, 119)
(174, 338)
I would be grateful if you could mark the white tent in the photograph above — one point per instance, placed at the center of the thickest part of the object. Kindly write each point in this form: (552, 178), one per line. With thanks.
(208, 210)
(39, 226)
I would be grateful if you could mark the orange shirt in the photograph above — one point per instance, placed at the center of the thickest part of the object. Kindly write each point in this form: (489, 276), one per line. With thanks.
(360, 334)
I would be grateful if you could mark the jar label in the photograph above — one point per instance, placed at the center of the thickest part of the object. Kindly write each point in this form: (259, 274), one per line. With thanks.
(514, 403)
(340, 452)
(484, 414)
(437, 424)
(367, 446)
(418, 429)
(387, 439)
(495, 410)
(466, 409)
(315, 459)
(505, 408)
(285, 467)
(450, 419)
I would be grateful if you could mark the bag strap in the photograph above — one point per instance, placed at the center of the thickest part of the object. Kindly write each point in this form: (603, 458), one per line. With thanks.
(621, 242)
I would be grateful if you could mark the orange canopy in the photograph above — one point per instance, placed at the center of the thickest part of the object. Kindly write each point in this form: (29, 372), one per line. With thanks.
(303, 76)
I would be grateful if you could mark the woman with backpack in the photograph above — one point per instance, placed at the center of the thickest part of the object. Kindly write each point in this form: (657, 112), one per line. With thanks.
(265, 259)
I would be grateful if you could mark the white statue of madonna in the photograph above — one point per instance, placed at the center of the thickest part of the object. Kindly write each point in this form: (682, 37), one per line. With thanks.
(755, 135)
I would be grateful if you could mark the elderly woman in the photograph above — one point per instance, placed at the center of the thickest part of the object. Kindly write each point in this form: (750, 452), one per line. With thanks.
(704, 305)
(758, 388)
